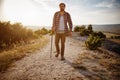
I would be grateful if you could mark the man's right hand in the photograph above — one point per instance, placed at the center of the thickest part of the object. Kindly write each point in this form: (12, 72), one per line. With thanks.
(53, 29)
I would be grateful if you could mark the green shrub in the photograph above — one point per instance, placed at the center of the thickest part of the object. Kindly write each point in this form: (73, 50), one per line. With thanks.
(94, 40)
(82, 27)
(79, 28)
(101, 35)
(76, 29)
(84, 32)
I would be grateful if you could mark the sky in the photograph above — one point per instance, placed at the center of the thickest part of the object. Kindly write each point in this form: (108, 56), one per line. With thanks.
(40, 12)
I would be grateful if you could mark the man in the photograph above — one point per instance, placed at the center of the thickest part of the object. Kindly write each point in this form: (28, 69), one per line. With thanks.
(60, 28)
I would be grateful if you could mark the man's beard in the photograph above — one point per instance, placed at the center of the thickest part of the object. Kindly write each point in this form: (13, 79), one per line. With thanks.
(61, 9)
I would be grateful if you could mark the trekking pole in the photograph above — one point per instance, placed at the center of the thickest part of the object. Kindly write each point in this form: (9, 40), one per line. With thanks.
(51, 45)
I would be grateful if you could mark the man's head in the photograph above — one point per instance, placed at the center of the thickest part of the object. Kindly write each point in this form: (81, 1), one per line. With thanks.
(62, 6)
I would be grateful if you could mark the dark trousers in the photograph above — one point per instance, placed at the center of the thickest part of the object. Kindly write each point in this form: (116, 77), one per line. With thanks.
(58, 37)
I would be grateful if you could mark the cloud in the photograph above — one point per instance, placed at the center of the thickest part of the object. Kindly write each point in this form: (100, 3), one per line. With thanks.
(41, 12)
(109, 4)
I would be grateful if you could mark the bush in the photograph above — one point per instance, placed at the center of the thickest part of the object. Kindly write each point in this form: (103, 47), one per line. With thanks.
(42, 31)
(38, 32)
(94, 40)
(100, 34)
(76, 29)
(79, 28)
(14, 33)
(84, 32)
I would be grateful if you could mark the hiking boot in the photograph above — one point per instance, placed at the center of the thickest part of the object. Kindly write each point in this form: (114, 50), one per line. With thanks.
(62, 58)
(56, 55)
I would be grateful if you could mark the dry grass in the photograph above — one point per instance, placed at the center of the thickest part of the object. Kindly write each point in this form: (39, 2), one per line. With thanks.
(108, 35)
(7, 57)
(98, 65)
(115, 40)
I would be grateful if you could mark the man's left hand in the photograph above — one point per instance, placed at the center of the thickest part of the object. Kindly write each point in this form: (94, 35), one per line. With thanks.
(70, 33)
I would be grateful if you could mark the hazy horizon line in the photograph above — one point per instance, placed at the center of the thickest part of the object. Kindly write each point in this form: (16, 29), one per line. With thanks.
(75, 24)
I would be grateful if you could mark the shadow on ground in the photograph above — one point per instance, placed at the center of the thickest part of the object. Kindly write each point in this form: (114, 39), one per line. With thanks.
(111, 46)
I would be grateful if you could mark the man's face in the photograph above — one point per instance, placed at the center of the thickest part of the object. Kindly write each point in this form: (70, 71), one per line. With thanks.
(62, 7)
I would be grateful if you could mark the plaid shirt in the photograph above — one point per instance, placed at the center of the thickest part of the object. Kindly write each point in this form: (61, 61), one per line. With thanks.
(67, 19)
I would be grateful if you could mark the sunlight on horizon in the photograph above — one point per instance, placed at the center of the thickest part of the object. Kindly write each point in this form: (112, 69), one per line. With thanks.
(24, 12)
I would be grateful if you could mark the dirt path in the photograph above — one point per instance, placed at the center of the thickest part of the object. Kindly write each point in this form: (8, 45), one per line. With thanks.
(39, 66)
